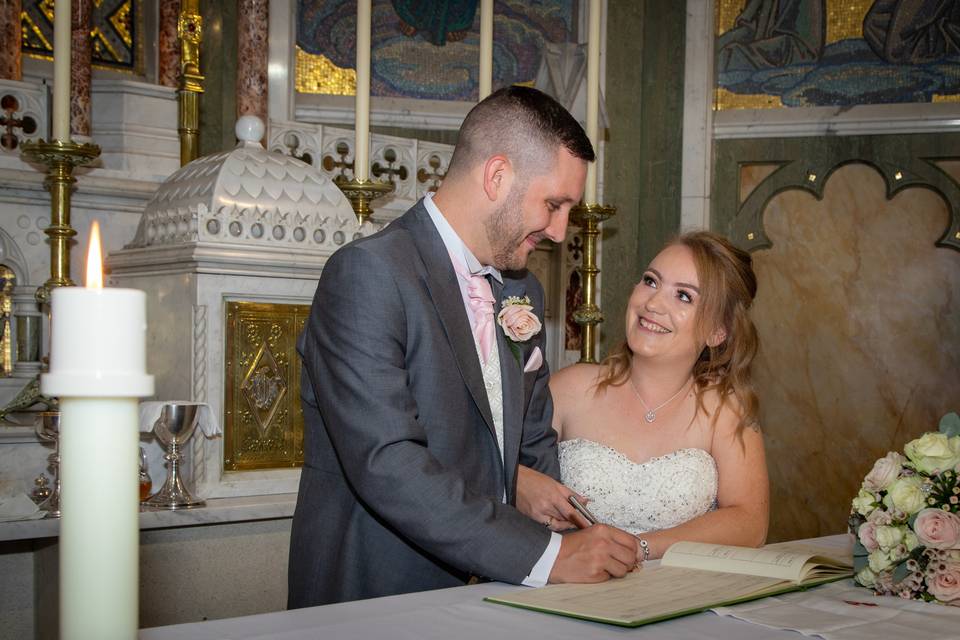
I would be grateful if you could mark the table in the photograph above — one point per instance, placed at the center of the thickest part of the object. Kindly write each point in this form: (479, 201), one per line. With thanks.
(457, 613)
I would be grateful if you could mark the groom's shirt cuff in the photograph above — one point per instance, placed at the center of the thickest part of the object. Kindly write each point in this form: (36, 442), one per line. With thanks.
(540, 573)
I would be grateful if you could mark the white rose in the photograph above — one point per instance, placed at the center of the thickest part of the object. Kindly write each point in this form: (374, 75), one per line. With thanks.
(906, 494)
(879, 560)
(866, 577)
(864, 503)
(884, 472)
(934, 452)
(888, 537)
(910, 539)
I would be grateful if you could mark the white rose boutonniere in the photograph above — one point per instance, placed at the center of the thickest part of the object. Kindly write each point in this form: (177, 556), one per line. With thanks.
(518, 321)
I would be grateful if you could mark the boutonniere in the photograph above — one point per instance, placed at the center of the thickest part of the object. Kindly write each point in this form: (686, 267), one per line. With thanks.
(518, 321)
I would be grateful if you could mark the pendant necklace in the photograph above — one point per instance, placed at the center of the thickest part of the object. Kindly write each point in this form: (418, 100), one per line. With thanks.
(651, 414)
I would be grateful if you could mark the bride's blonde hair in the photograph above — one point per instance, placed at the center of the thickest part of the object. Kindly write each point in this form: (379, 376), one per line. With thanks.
(727, 289)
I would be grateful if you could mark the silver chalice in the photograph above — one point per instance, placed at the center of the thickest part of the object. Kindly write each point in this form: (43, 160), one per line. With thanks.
(173, 428)
(48, 430)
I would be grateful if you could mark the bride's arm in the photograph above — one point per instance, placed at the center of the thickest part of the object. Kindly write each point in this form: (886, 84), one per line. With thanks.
(743, 494)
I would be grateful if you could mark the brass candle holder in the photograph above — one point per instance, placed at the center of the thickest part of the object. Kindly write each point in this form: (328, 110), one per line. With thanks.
(588, 315)
(361, 193)
(61, 158)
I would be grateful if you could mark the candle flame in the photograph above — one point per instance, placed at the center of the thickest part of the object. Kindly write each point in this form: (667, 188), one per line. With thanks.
(94, 259)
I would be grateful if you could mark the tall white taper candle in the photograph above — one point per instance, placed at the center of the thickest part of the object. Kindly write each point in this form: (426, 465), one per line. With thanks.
(593, 98)
(61, 70)
(486, 48)
(97, 369)
(361, 155)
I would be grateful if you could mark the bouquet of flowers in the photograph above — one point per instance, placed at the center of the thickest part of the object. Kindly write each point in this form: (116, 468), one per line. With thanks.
(906, 519)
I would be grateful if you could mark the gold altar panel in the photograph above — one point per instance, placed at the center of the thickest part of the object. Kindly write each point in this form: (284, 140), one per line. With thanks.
(860, 345)
(263, 421)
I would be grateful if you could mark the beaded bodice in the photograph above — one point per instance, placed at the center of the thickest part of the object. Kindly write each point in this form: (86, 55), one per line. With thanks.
(660, 493)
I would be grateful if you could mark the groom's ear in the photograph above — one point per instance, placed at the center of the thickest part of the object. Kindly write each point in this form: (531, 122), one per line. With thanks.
(496, 177)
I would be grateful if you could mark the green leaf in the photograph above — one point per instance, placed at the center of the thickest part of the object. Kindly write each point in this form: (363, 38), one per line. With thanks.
(950, 425)
(515, 350)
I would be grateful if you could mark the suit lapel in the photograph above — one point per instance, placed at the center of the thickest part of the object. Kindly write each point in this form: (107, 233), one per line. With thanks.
(512, 380)
(441, 281)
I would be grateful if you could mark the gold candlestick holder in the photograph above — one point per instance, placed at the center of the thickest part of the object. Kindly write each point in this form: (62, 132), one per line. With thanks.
(61, 158)
(588, 315)
(361, 193)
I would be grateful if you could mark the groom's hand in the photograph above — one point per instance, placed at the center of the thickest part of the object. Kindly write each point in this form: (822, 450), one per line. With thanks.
(594, 555)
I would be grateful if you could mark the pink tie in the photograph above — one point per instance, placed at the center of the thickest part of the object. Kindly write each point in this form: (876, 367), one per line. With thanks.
(481, 304)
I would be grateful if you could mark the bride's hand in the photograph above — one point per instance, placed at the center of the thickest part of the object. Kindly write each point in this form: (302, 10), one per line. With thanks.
(545, 500)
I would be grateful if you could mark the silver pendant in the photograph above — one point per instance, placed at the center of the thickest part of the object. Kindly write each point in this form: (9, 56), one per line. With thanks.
(650, 416)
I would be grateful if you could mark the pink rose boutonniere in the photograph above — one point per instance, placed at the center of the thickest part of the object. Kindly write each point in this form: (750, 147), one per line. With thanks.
(518, 321)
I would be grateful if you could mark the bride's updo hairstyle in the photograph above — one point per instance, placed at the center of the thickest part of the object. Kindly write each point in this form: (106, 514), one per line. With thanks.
(727, 289)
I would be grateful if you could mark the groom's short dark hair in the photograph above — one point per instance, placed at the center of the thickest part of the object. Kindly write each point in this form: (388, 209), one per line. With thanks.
(525, 125)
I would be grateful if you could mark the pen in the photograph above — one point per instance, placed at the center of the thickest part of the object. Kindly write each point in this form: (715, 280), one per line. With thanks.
(592, 519)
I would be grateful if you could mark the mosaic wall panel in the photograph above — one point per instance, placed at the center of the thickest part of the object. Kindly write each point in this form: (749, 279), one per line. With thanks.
(115, 31)
(426, 50)
(802, 53)
(263, 422)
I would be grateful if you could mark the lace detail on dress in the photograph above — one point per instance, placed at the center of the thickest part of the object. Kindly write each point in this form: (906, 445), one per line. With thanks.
(660, 493)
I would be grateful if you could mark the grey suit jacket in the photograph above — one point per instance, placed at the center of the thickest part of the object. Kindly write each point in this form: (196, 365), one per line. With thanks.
(402, 483)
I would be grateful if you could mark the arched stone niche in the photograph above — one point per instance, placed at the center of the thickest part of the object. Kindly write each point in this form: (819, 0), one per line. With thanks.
(857, 308)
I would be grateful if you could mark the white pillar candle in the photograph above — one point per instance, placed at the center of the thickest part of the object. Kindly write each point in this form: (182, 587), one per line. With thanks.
(97, 369)
(61, 70)
(593, 99)
(486, 48)
(361, 155)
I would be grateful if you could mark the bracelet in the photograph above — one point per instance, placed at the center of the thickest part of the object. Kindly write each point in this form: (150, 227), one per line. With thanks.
(645, 547)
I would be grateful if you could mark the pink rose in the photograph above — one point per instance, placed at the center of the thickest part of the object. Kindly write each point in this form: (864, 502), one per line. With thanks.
(868, 536)
(944, 584)
(938, 529)
(519, 322)
(884, 472)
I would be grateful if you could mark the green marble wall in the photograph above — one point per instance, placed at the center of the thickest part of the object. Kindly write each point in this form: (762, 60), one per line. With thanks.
(218, 64)
(644, 101)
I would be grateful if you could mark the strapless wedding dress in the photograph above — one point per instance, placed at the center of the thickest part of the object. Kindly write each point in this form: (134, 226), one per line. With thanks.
(660, 493)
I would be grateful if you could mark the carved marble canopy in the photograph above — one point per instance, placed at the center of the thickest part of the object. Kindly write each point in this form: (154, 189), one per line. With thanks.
(246, 196)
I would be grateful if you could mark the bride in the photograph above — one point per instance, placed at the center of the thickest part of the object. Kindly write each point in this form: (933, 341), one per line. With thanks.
(662, 438)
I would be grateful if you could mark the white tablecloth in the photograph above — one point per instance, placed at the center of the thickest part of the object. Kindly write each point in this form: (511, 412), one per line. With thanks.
(459, 614)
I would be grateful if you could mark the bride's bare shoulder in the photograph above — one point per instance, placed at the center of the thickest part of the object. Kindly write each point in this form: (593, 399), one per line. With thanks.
(577, 378)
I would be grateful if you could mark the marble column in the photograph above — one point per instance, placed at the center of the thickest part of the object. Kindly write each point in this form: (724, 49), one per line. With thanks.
(169, 44)
(10, 57)
(80, 69)
(252, 58)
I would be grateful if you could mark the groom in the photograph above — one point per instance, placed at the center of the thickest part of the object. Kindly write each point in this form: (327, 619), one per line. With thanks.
(418, 406)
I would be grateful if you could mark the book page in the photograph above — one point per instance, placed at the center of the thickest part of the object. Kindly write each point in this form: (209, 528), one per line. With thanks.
(643, 596)
(784, 564)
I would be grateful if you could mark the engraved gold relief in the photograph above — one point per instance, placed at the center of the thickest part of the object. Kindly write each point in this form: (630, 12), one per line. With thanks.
(263, 422)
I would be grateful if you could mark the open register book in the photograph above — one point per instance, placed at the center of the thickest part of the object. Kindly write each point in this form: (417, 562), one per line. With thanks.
(691, 577)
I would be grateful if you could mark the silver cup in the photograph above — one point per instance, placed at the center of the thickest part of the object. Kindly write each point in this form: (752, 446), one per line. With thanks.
(173, 428)
(48, 430)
